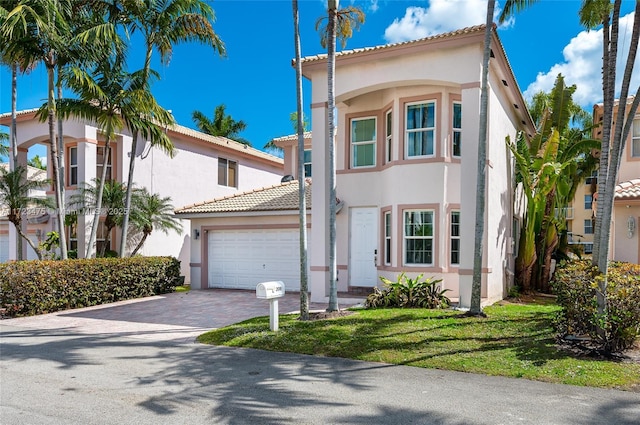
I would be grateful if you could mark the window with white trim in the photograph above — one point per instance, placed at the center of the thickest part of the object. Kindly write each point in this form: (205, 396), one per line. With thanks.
(420, 129)
(388, 136)
(363, 142)
(73, 165)
(307, 162)
(227, 172)
(100, 152)
(588, 227)
(456, 143)
(387, 238)
(588, 199)
(418, 237)
(455, 238)
(635, 139)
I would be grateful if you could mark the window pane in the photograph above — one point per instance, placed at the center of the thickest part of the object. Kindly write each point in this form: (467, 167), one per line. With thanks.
(73, 153)
(232, 179)
(388, 132)
(307, 156)
(457, 137)
(457, 115)
(74, 175)
(635, 148)
(455, 251)
(387, 251)
(455, 224)
(420, 143)
(363, 130)
(364, 155)
(387, 224)
(587, 202)
(636, 128)
(222, 171)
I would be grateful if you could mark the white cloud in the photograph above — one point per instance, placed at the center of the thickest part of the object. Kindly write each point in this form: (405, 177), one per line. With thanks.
(373, 6)
(438, 17)
(582, 66)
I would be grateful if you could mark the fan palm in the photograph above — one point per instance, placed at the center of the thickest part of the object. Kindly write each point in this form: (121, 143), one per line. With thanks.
(152, 212)
(15, 195)
(4, 144)
(164, 23)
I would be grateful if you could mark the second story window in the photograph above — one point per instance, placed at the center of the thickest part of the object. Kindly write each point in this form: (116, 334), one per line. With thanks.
(73, 166)
(100, 152)
(420, 129)
(587, 202)
(456, 143)
(388, 137)
(363, 142)
(307, 162)
(635, 139)
(227, 172)
(588, 227)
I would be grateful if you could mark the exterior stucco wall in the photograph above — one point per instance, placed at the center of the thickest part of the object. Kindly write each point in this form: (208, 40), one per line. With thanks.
(626, 245)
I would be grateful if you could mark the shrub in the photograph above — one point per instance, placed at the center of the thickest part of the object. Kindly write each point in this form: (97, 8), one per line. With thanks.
(409, 293)
(36, 287)
(576, 285)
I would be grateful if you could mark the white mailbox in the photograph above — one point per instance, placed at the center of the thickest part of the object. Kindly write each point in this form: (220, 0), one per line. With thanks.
(269, 290)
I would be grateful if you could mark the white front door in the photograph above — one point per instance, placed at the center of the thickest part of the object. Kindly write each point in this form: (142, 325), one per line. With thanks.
(363, 247)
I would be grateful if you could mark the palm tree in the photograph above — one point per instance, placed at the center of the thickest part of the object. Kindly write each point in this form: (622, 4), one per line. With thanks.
(164, 23)
(37, 162)
(102, 197)
(114, 98)
(222, 125)
(152, 212)
(15, 195)
(302, 205)
(4, 144)
(340, 24)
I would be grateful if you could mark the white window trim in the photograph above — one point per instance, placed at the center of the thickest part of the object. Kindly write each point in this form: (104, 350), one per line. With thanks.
(404, 238)
(364, 142)
(416, 130)
(305, 164)
(590, 226)
(590, 202)
(73, 166)
(387, 238)
(388, 132)
(452, 237)
(455, 130)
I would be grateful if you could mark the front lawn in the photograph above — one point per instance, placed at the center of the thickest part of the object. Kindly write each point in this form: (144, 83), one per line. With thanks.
(516, 340)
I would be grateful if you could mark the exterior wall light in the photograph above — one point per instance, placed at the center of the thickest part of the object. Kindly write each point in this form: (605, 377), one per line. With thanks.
(196, 234)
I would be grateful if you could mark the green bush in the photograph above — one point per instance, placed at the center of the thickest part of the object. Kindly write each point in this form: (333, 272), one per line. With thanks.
(409, 293)
(37, 287)
(576, 285)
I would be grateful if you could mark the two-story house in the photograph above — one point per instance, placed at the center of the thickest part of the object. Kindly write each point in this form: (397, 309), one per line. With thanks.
(406, 162)
(204, 166)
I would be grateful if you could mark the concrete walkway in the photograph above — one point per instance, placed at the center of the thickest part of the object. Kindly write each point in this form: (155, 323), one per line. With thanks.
(136, 363)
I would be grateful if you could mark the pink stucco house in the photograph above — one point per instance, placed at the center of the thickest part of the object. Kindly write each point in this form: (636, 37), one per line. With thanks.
(408, 119)
(203, 166)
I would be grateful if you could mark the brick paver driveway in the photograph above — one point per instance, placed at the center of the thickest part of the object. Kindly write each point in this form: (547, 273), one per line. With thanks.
(179, 317)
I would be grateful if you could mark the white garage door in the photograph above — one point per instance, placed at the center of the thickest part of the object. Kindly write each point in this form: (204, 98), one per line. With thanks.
(243, 258)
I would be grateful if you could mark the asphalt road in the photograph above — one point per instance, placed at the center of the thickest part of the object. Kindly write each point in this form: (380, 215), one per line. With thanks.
(64, 376)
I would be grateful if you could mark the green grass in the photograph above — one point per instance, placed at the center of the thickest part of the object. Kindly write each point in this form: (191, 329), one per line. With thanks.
(515, 340)
(183, 288)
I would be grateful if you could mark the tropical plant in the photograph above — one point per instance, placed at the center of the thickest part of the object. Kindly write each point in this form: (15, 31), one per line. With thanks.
(4, 144)
(102, 200)
(340, 24)
(114, 98)
(546, 166)
(37, 162)
(406, 292)
(302, 204)
(222, 125)
(152, 212)
(16, 196)
(164, 23)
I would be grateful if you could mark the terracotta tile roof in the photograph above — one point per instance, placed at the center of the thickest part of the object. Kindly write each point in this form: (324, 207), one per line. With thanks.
(292, 137)
(628, 190)
(467, 30)
(189, 132)
(280, 197)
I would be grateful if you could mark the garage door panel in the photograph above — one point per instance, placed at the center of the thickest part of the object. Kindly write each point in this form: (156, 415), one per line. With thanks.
(243, 258)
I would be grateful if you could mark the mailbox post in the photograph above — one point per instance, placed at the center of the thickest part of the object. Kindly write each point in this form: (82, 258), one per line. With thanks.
(271, 291)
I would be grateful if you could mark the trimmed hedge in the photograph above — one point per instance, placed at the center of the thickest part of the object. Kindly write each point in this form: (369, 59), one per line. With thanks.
(35, 287)
(576, 285)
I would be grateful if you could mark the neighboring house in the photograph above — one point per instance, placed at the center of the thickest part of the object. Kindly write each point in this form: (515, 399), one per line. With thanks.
(204, 166)
(406, 160)
(36, 220)
(624, 242)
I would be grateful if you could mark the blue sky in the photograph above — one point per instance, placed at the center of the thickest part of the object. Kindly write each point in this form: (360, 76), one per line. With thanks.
(256, 81)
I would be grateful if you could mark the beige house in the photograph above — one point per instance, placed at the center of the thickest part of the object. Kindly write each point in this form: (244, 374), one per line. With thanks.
(407, 135)
(203, 166)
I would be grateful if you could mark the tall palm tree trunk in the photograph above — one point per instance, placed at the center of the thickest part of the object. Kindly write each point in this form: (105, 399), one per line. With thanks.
(331, 64)
(14, 136)
(53, 144)
(302, 204)
(476, 286)
(63, 236)
(98, 206)
(137, 248)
